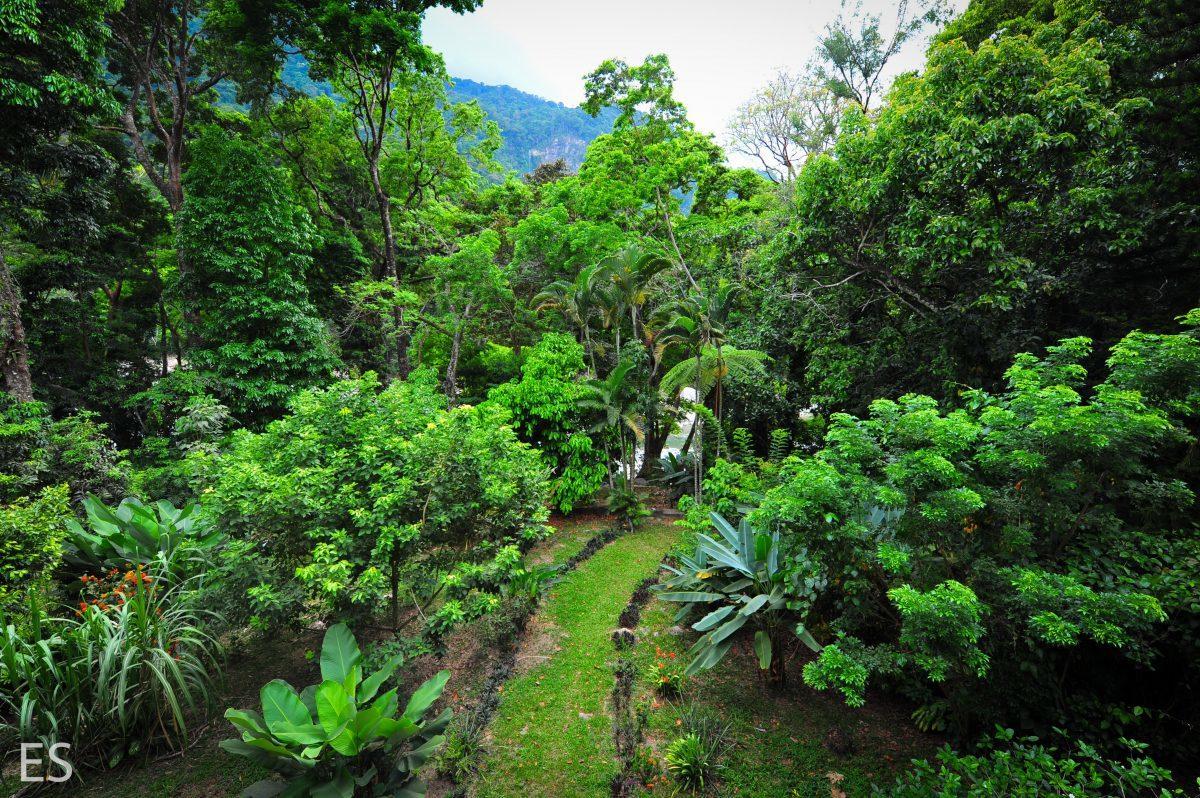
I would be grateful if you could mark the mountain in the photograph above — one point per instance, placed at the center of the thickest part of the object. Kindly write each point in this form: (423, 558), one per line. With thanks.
(536, 130)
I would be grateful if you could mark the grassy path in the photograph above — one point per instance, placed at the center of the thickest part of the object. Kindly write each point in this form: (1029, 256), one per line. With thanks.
(552, 736)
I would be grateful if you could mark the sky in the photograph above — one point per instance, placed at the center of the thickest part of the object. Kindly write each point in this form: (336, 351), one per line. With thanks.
(721, 50)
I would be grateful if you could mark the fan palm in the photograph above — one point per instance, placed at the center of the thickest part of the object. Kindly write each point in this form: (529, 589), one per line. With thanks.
(578, 300)
(616, 407)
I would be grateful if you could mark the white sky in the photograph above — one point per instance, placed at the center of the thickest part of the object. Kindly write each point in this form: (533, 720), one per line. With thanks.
(721, 50)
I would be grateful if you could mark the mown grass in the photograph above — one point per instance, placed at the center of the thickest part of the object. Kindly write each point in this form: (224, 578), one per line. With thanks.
(778, 734)
(552, 736)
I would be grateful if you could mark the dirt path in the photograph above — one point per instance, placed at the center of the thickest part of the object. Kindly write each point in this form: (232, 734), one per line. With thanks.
(552, 735)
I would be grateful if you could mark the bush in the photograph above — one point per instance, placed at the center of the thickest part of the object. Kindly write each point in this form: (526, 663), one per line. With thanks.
(1023, 768)
(360, 493)
(342, 737)
(966, 543)
(37, 451)
(31, 541)
(694, 758)
(544, 406)
(178, 541)
(112, 681)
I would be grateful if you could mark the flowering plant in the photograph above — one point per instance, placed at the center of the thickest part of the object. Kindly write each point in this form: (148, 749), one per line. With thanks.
(669, 673)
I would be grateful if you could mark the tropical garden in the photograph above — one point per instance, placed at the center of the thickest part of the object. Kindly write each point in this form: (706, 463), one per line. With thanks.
(339, 459)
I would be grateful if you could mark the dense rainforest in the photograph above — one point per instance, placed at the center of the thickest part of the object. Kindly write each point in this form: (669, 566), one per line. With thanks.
(368, 433)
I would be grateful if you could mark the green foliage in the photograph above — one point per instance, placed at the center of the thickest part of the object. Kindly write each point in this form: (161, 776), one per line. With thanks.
(1024, 768)
(971, 201)
(38, 451)
(342, 737)
(694, 759)
(177, 541)
(743, 577)
(545, 412)
(360, 493)
(688, 762)
(625, 503)
(112, 682)
(247, 245)
(31, 545)
(977, 530)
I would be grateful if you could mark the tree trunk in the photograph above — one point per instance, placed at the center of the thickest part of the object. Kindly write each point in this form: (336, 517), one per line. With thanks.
(399, 367)
(14, 351)
(450, 384)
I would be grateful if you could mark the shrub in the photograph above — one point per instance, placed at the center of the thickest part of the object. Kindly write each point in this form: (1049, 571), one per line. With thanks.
(545, 412)
(741, 578)
(975, 553)
(37, 451)
(111, 682)
(625, 504)
(31, 540)
(1023, 768)
(342, 737)
(360, 494)
(180, 540)
(694, 758)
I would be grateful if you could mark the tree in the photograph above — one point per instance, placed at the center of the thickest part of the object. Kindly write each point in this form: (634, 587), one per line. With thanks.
(368, 51)
(787, 122)
(51, 79)
(467, 284)
(248, 243)
(613, 401)
(967, 203)
(854, 50)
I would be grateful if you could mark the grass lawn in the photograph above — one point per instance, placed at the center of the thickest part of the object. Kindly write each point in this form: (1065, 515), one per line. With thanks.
(778, 734)
(552, 736)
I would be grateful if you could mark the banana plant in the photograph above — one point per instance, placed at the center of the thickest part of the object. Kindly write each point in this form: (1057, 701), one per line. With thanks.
(739, 578)
(177, 537)
(343, 737)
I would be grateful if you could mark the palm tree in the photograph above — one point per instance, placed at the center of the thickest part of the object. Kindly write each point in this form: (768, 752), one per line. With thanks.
(631, 271)
(578, 301)
(708, 369)
(616, 407)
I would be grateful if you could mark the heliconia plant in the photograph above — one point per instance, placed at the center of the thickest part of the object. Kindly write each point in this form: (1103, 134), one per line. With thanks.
(342, 737)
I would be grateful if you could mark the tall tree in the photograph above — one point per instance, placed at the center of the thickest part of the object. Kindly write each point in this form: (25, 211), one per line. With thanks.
(367, 51)
(51, 71)
(248, 241)
(786, 122)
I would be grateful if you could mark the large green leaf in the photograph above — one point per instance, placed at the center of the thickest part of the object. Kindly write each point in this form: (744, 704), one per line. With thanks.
(247, 720)
(425, 695)
(710, 656)
(339, 653)
(371, 684)
(281, 704)
(306, 734)
(754, 605)
(762, 647)
(713, 618)
(334, 709)
(691, 596)
(726, 629)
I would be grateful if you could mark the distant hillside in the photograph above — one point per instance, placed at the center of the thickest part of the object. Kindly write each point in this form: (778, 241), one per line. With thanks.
(535, 130)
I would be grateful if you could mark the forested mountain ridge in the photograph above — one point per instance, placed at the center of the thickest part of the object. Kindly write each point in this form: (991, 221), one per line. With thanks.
(535, 130)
